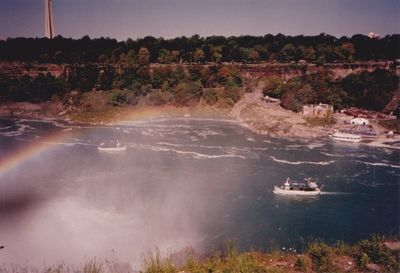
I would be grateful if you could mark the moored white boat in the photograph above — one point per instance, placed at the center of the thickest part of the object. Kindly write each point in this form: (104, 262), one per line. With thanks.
(337, 135)
(117, 148)
(292, 187)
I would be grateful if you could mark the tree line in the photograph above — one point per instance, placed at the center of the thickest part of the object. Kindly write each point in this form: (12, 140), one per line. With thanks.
(318, 49)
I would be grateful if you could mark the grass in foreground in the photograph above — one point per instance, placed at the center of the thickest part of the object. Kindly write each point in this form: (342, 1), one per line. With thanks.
(373, 255)
(365, 256)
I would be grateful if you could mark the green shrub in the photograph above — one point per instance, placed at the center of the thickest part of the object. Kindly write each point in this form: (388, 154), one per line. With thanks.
(363, 260)
(300, 264)
(153, 262)
(244, 263)
(210, 96)
(120, 97)
(341, 249)
(320, 255)
(273, 86)
(230, 96)
(193, 266)
(158, 98)
(375, 251)
(187, 92)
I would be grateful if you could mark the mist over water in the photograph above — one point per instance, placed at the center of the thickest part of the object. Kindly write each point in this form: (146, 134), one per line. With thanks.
(182, 183)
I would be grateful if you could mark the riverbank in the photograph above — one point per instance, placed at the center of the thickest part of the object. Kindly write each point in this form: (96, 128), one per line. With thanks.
(251, 111)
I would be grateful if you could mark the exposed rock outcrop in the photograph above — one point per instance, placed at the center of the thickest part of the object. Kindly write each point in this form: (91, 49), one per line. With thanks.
(271, 118)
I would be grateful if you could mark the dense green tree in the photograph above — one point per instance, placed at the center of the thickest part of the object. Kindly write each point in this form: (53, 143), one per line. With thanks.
(348, 51)
(273, 86)
(103, 58)
(253, 55)
(38, 89)
(321, 48)
(216, 48)
(177, 75)
(21, 90)
(199, 56)
(143, 56)
(196, 72)
(210, 96)
(105, 78)
(216, 54)
(165, 56)
(121, 97)
(83, 78)
(368, 90)
(116, 54)
(231, 95)
(175, 56)
(308, 54)
(131, 58)
(160, 76)
(371, 90)
(186, 93)
(287, 53)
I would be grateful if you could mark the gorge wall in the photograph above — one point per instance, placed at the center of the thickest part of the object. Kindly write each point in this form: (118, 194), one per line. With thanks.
(254, 71)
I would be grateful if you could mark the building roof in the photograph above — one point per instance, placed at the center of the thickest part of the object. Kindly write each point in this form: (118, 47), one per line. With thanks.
(361, 120)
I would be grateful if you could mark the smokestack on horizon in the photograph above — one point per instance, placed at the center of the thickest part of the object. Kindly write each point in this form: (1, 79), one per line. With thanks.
(49, 26)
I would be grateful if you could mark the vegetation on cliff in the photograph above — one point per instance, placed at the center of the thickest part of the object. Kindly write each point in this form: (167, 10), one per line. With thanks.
(157, 71)
(368, 90)
(173, 84)
(195, 49)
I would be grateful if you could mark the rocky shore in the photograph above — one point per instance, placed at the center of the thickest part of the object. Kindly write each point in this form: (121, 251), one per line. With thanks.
(47, 110)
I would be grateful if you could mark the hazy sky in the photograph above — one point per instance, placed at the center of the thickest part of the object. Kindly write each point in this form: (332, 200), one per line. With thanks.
(171, 18)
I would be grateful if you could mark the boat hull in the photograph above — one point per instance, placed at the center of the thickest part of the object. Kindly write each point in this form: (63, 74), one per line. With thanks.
(115, 149)
(346, 139)
(278, 190)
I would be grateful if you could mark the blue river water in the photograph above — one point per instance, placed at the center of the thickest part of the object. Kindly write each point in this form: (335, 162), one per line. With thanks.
(182, 183)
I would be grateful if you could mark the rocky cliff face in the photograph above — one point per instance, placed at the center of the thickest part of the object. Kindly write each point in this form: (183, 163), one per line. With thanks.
(286, 71)
(338, 70)
(18, 70)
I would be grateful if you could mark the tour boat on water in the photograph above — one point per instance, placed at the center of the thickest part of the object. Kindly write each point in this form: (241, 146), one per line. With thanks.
(107, 147)
(293, 187)
(343, 136)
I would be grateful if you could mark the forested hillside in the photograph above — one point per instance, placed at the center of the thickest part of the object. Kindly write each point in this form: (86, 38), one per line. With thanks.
(279, 48)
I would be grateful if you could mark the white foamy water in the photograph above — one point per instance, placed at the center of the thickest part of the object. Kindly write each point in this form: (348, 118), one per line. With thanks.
(193, 154)
(323, 163)
(379, 164)
(22, 128)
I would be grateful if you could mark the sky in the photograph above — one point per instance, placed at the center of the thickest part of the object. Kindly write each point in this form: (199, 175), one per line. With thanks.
(122, 19)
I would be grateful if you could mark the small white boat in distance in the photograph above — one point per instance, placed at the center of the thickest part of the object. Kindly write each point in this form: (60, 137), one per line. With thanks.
(293, 187)
(107, 147)
(337, 135)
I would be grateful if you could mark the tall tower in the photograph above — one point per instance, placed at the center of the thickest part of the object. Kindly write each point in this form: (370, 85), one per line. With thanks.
(48, 19)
